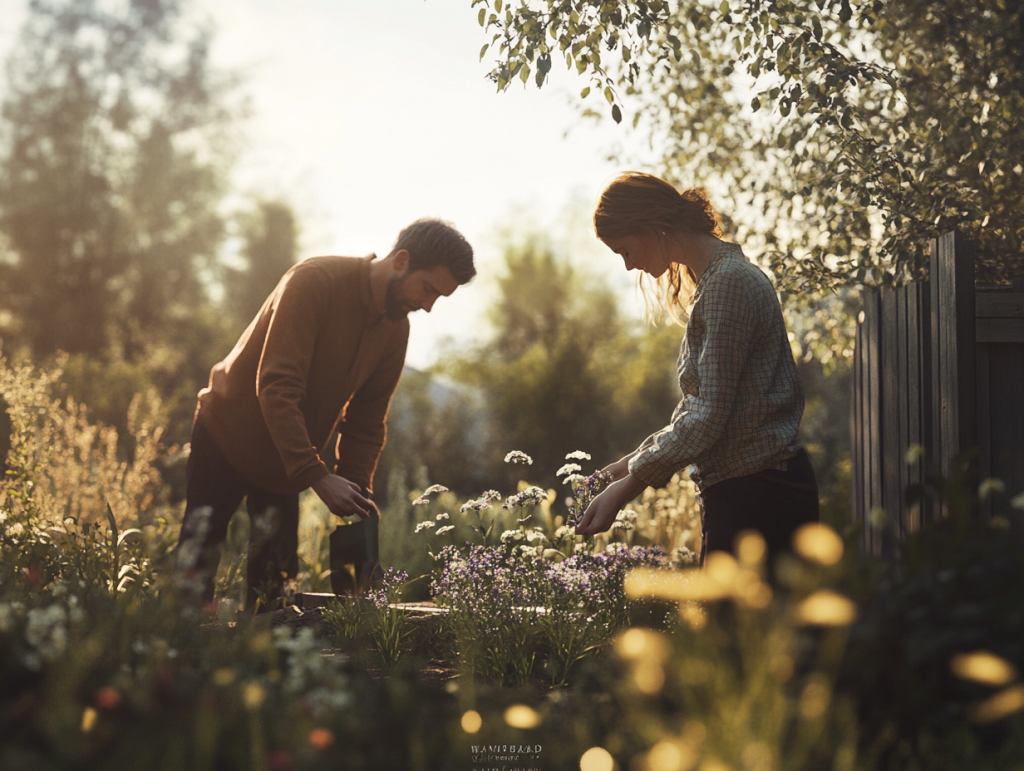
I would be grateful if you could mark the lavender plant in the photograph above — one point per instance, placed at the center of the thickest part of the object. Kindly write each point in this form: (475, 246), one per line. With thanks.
(389, 628)
(533, 592)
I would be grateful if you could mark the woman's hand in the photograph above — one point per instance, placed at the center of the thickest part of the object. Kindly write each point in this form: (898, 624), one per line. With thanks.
(619, 469)
(601, 512)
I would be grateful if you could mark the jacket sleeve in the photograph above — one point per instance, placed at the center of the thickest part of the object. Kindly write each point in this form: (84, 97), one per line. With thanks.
(298, 310)
(364, 430)
(701, 417)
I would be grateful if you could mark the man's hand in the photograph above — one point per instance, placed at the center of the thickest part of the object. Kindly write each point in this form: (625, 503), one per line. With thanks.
(343, 498)
(601, 512)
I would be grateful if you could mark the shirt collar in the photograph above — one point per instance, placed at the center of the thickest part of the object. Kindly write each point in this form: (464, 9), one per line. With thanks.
(365, 290)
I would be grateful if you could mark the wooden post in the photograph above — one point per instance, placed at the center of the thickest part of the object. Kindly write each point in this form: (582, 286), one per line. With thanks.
(954, 258)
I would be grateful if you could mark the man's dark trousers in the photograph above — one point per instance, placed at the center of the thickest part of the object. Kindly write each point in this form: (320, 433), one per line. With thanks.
(215, 490)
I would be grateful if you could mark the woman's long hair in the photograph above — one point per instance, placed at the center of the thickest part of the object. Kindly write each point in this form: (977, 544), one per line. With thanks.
(636, 204)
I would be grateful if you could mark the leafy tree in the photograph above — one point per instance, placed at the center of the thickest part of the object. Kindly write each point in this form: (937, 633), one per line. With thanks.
(874, 127)
(270, 235)
(563, 370)
(113, 161)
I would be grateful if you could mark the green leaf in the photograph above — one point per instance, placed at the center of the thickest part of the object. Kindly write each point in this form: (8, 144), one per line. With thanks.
(484, 50)
(482, 16)
(113, 523)
(616, 113)
(585, 92)
(497, 5)
(755, 104)
(724, 7)
(524, 73)
(609, 95)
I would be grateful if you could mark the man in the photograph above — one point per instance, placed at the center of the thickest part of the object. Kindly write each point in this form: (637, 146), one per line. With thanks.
(324, 353)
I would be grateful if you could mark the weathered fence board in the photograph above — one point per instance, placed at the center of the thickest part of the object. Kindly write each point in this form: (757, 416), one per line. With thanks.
(938, 364)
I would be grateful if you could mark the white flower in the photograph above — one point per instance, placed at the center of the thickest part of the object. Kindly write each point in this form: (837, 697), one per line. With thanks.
(568, 468)
(528, 551)
(534, 535)
(628, 515)
(577, 455)
(421, 501)
(572, 479)
(491, 495)
(562, 532)
(511, 535)
(529, 495)
(445, 529)
(442, 515)
(424, 525)
(517, 456)
(435, 489)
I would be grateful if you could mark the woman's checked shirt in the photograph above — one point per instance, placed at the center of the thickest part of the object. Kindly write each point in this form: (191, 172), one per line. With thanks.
(742, 401)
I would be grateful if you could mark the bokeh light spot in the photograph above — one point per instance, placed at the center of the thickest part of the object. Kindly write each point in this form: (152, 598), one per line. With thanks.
(597, 759)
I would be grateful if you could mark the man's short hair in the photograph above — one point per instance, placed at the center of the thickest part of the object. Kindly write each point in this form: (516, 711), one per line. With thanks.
(432, 242)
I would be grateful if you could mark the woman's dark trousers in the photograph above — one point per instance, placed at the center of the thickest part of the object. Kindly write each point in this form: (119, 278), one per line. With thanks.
(774, 503)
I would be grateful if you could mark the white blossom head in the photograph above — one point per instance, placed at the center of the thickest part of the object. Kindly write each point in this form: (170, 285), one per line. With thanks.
(518, 456)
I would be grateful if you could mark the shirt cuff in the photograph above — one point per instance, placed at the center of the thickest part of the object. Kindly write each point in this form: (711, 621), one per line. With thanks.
(650, 469)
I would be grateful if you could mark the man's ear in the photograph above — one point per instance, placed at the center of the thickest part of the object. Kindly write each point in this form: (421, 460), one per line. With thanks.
(400, 263)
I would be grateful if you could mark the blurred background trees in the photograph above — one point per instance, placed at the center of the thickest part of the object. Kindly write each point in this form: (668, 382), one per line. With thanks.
(116, 148)
(124, 244)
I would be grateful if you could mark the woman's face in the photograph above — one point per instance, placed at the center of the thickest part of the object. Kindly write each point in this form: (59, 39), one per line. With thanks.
(643, 252)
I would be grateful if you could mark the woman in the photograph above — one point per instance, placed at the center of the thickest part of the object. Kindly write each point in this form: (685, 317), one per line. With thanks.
(736, 425)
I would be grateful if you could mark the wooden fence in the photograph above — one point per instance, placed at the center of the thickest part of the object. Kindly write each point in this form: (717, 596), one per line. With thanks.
(938, 364)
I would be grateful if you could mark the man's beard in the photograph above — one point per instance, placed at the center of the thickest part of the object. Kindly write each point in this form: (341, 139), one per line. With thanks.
(392, 304)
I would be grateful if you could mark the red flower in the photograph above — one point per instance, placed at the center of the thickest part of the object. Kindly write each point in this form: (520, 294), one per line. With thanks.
(321, 738)
(107, 698)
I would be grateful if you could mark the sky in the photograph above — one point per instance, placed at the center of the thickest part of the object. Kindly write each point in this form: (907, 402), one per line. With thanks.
(369, 115)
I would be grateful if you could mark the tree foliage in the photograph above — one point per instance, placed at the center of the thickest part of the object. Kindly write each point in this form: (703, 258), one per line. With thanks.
(270, 236)
(564, 370)
(113, 164)
(872, 126)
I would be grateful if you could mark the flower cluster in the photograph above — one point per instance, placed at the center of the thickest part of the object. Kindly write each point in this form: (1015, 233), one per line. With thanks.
(584, 491)
(491, 587)
(390, 589)
(530, 495)
(517, 456)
